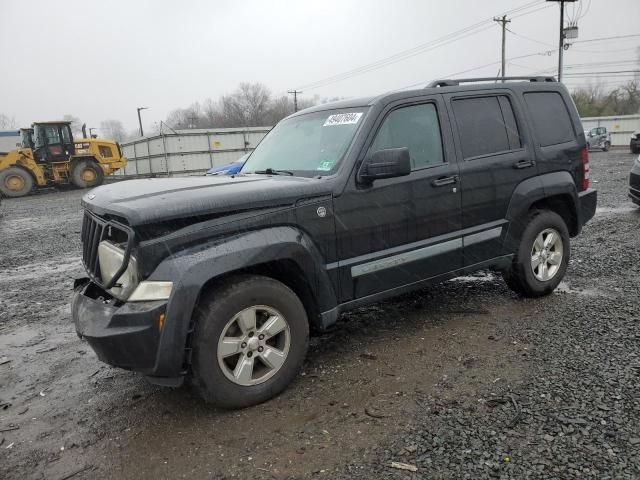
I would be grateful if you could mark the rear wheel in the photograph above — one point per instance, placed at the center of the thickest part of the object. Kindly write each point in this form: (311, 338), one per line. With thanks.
(15, 182)
(86, 174)
(250, 339)
(542, 257)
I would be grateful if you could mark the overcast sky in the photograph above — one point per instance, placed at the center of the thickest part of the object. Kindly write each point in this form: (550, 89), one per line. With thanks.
(101, 59)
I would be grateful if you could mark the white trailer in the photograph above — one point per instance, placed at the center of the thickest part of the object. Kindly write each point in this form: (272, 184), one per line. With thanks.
(9, 140)
(619, 126)
(189, 152)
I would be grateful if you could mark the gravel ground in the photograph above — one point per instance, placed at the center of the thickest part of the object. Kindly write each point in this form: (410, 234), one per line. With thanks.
(462, 380)
(575, 413)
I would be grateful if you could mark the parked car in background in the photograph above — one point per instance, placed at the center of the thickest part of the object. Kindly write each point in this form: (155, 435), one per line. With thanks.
(230, 168)
(219, 281)
(634, 182)
(598, 137)
(634, 144)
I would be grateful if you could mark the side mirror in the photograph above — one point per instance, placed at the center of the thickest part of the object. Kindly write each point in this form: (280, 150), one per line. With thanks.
(388, 163)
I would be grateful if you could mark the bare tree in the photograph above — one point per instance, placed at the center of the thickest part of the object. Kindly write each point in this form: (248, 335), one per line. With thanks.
(595, 101)
(7, 123)
(190, 117)
(113, 129)
(76, 123)
(247, 106)
(250, 105)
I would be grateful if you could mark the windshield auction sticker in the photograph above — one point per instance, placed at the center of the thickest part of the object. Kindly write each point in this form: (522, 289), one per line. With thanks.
(342, 119)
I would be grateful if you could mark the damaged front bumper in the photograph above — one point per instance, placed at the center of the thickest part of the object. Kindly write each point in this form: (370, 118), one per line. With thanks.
(126, 335)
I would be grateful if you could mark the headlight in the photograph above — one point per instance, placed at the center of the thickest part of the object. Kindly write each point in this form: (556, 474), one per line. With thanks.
(150, 290)
(110, 258)
(634, 136)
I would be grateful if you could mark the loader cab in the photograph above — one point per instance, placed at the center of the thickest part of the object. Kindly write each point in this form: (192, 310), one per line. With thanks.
(53, 141)
(26, 138)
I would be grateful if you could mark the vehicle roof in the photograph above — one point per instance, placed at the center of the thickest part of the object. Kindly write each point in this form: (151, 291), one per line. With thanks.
(399, 95)
(52, 122)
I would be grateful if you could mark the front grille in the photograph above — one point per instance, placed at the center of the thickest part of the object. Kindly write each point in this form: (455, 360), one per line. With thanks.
(96, 229)
(634, 181)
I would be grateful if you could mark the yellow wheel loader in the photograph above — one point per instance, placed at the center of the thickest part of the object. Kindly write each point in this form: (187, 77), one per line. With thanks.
(50, 156)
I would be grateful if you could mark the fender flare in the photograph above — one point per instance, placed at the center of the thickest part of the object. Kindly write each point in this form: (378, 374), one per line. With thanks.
(191, 269)
(532, 190)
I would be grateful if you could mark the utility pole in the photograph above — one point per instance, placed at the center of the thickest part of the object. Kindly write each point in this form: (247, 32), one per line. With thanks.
(140, 119)
(561, 39)
(295, 98)
(504, 22)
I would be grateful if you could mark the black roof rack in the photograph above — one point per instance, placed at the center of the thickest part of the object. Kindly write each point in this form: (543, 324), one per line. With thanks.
(458, 81)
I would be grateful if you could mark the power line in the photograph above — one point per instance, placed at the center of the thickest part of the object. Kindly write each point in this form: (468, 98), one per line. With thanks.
(532, 11)
(589, 64)
(394, 59)
(602, 39)
(454, 36)
(578, 49)
(452, 75)
(529, 38)
(612, 73)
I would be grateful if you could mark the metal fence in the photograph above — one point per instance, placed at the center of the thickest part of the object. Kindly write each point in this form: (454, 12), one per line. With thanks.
(621, 127)
(193, 152)
(188, 152)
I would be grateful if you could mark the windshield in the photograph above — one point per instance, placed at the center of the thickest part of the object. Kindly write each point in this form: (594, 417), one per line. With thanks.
(306, 145)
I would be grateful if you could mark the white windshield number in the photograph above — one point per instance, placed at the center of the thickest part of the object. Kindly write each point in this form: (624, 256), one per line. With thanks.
(342, 119)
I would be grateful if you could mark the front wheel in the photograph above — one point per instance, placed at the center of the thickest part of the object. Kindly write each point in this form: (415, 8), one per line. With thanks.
(607, 146)
(86, 174)
(542, 256)
(251, 336)
(15, 182)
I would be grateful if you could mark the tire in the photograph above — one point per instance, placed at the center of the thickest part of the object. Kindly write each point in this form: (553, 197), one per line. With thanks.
(213, 375)
(532, 282)
(15, 182)
(86, 174)
(607, 146)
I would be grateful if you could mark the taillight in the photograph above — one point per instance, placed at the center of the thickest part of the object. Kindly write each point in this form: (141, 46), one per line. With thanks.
(584, 156)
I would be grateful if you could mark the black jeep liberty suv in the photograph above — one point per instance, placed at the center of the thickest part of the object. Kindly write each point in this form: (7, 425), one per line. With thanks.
(218, 280)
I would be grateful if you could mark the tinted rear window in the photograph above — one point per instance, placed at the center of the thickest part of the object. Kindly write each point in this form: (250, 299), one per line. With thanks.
(550, 117)
(486, 125)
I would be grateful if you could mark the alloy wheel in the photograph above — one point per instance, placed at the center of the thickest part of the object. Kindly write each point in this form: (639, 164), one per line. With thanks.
(546, 254)
(254, 345)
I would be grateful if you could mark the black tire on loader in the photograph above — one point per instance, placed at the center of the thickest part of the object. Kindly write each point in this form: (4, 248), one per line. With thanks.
(15, 182)
(86, 174)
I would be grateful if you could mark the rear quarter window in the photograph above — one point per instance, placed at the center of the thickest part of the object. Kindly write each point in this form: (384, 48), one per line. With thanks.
(550, 118)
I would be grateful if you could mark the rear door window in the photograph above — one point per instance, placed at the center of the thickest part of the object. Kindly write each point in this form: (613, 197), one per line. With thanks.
(550, 117)
(486, 125)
